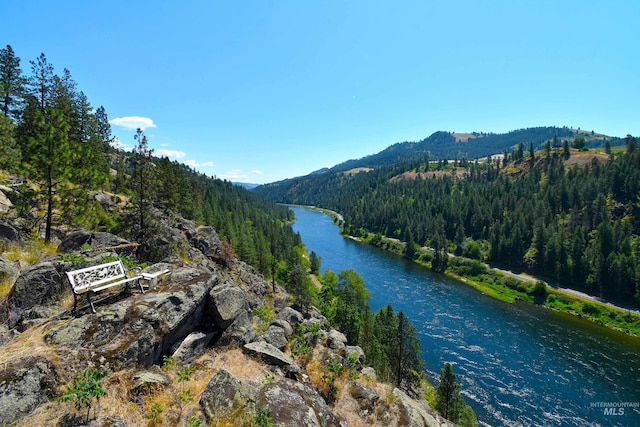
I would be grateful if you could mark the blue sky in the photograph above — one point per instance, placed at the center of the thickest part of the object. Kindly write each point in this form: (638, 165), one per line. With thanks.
(258, 91)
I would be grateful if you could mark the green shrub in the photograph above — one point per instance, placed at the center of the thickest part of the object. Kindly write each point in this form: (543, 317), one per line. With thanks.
(85, 388)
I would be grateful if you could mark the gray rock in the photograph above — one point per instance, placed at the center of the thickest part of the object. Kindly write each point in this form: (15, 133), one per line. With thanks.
(40, 285)
(284, 325)
(273, 356)
(8, 270)
(336, 340)
(148, 382)
(276, 336)
(227, 302)
(8, 233)
(5, 203)
(24, 387)
(80, 240)
(191, 347)
(225, 394)
(240, 332)
(138, 329)
(358, 351)
(365, 396)
(294, 404)
(291, 316)
(415, 413)
(369, 372)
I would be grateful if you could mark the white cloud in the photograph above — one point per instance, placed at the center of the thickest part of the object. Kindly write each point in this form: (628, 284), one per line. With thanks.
(196, 164)
(172, 154)
(117, 144)
(133, 122)
(256, 172)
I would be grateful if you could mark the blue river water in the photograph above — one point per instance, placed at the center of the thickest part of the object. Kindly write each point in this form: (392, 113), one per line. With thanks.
(518, 364)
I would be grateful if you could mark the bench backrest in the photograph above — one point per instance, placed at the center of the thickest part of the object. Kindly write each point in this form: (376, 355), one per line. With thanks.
(96, 275)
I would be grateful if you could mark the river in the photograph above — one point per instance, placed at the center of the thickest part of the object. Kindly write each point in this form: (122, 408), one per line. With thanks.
(518, 365)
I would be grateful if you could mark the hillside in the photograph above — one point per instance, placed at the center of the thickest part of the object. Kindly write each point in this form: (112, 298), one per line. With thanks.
(211, 344)
(565, 214)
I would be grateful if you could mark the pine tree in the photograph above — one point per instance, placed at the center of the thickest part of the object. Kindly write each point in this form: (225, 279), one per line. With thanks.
(143, 176)
(449, 402)
(11, 82)
(409, 357)
(50, 159)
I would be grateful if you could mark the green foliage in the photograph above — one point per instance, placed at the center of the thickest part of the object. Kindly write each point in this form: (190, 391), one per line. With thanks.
(329, 377)
(86, 388)
(263, 418)
(315, 261)
(301, 339)
(73, 258)
(168, 363)
(155, 414)
(265, 314)
(449, 402)
(389, 341)
(194, 421)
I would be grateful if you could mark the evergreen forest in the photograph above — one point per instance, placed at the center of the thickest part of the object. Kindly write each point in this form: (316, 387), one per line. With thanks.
(565, 213)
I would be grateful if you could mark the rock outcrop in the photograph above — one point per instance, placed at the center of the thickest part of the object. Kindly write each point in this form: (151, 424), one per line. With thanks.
(205, 312)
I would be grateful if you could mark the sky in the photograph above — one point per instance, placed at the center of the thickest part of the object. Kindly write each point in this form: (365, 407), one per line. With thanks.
(258, 91)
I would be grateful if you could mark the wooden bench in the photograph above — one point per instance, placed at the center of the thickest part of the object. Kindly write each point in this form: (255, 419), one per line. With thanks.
(93, 279)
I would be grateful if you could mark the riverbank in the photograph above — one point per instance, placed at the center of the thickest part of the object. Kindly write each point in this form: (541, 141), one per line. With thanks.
(511, 288)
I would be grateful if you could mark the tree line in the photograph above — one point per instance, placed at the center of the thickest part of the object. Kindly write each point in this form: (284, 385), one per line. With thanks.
(51, 135)
(389, 341)
(529, 211)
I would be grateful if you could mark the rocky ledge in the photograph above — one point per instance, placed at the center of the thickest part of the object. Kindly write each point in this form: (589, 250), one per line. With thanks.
(216, 344)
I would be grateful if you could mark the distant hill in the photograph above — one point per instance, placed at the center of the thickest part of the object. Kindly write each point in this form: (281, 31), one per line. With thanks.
(246, 185)
(448, 146)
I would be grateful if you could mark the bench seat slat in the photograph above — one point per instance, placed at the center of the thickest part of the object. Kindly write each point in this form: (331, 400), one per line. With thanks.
(119, 282)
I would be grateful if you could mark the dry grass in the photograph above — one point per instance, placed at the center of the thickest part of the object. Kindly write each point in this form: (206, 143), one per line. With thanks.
(5, 287)
(30, 252)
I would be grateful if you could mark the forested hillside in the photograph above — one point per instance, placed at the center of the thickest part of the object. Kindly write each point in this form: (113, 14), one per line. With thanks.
(565, 214)
(476, 145)
(57, 152)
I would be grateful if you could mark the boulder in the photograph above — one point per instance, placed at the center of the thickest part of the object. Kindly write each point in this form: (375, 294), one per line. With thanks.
(227, 302)
(224, 395)
(291, 316)
(8, 233)
(40, 285)
(365, 396)
(273, 356)
(240, 332)
(148, 382)
(284, 325)
(191, 347)
(294, 404)
(80, 240)
(139, 329)
(413, 413)
(24, 385)
(358, 351)
(369, 372)
(5, 203)
(336, 340)
(276, 336)
(8, 270)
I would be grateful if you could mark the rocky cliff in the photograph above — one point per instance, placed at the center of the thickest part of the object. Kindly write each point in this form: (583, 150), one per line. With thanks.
(215, 344)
